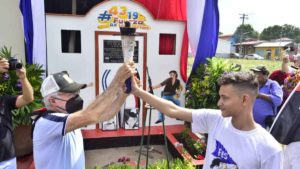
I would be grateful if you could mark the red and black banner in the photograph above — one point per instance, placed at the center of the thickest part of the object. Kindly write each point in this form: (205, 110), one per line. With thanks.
(286, 127)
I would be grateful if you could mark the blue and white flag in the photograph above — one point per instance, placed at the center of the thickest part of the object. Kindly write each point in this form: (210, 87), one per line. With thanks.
(203, 29)
(33, 12)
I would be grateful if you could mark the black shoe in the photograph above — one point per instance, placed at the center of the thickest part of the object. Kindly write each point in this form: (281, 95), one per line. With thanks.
(158, 121)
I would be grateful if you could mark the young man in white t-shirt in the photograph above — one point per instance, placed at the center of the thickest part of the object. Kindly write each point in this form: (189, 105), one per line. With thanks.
(234, 139)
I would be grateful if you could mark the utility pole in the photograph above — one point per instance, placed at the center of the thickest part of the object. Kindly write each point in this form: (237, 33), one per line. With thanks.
(243, 17)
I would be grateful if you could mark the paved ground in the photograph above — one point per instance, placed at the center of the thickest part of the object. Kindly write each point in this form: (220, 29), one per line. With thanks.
(103, 157)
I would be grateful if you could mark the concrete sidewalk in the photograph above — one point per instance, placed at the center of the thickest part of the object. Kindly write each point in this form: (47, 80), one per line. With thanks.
(103, 157)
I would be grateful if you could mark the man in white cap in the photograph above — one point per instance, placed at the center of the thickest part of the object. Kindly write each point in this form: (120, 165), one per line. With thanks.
(57, 139)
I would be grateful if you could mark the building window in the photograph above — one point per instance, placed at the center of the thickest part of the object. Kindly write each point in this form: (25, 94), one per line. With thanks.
(277, 51)
(70, 41)
(167, 44)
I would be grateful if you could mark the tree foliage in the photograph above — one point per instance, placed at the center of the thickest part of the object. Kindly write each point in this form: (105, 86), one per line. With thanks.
(277, 32)
(244, 31)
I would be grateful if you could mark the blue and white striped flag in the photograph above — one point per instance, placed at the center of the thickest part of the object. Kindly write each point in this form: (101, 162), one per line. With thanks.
(33, 12)
(203, 29)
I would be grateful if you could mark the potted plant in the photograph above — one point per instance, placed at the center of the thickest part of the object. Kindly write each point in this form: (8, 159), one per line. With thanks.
(203, 91)
(192, 144)
(10, 85)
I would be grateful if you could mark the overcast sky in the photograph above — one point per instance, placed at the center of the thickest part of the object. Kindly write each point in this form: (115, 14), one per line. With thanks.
(261, 13)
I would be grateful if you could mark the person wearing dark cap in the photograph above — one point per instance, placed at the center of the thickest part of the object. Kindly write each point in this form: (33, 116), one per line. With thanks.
(172, 88)
(57, 139)
(7, 104)
(268, 99)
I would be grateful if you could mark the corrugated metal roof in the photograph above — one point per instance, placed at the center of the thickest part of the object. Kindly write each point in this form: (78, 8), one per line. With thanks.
(273, 44)
(250, 43)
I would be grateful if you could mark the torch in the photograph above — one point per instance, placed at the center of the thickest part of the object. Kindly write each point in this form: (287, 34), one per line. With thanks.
(128, 44)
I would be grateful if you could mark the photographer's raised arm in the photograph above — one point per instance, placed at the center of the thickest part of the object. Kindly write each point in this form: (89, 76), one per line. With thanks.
(166, 107)
(27, 91)
(3, 65)
(106, 105)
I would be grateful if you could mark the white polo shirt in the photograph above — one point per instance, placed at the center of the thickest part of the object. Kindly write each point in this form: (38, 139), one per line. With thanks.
(55, 149)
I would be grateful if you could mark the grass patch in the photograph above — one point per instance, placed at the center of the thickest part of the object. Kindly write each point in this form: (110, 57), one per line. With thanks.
(246, 64)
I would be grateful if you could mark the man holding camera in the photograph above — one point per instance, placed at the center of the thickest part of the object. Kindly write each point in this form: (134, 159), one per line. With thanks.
(7, 104)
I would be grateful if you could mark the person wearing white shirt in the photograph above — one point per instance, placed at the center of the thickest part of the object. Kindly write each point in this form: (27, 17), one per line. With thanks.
(234, 139)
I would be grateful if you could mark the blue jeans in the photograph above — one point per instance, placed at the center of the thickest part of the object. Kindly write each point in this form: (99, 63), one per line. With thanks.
(172, 99)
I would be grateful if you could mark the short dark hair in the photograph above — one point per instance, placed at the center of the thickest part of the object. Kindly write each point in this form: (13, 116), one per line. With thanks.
(173, 71)
(240, 80)
(262, 69)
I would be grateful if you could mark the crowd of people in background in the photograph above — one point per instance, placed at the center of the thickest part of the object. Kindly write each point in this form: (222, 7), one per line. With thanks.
(273, 92)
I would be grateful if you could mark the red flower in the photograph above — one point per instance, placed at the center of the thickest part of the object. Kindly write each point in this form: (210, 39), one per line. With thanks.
(200, 157)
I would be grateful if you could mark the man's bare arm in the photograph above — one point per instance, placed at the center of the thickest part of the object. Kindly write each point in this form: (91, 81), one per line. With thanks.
(93, 113)
(27, 91)
(112, 110)
(156, 86)
(285, 64)
(166, 107)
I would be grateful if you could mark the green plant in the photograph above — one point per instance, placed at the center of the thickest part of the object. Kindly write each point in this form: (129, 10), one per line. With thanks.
(174, 164)
(120, 166)
(203, 90)
(9, 85)
(160, 164)
(195, 148)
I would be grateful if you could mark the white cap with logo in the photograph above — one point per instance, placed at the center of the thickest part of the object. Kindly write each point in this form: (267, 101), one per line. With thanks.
(60, 82)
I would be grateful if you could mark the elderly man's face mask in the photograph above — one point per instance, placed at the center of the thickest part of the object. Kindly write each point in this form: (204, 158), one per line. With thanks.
(74, 104)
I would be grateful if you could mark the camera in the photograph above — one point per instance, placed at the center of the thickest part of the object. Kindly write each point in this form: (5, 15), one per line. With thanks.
(14, 64)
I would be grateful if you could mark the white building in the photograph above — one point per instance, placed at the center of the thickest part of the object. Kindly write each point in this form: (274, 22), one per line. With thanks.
(225, 46)
(84, 45)
(95, 54)
(11, 29)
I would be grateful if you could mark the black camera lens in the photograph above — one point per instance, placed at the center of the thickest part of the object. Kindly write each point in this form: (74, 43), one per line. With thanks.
(14, 64)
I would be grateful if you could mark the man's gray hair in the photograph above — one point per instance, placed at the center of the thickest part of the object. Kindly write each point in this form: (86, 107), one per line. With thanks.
(46, 100)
